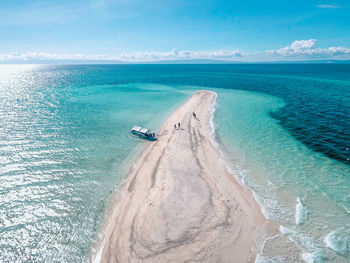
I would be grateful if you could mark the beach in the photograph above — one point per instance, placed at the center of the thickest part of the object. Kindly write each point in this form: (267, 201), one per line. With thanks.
(179, 203)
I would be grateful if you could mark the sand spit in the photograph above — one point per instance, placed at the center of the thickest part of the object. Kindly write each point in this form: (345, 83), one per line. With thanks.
(179, 203)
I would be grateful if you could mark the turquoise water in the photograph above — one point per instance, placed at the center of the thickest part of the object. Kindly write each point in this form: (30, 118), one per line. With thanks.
(61, 152)
(65, 147)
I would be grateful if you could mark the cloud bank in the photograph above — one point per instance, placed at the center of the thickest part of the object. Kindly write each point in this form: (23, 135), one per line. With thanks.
(180, 55)
(308, 48)
(124, 57)
(298, 50)
(40, 56)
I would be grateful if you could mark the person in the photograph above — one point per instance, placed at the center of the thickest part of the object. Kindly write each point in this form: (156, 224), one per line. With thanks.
(178, 125)
(194, 115)
(175, 126)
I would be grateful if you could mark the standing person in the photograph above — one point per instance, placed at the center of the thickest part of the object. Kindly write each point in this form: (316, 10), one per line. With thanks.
(175, 126)
(178, 125)
(194, 115)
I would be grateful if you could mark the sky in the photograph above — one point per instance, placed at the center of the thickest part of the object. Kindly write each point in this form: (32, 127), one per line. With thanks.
(154, 30)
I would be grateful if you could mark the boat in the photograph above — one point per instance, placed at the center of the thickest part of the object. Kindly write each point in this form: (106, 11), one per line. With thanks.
(143, 133)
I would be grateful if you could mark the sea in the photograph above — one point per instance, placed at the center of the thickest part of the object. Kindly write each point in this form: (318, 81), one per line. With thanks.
(65, 148)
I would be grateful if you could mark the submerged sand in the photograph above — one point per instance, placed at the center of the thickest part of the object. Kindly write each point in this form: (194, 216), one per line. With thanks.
(179, 203)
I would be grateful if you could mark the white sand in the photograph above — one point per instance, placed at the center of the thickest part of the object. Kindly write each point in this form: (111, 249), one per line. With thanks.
(179, 203)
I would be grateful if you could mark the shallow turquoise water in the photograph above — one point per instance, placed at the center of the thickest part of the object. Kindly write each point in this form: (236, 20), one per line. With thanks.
(64, 147)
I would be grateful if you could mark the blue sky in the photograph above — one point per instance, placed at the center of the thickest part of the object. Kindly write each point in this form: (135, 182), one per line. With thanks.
(135, 30)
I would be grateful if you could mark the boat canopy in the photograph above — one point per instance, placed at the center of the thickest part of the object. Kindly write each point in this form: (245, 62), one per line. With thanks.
(136, 128)
(140, 129)
(144, 130)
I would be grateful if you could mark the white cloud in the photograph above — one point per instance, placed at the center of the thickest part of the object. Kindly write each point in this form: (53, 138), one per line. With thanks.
(127, 57)
(298, 50)
(40, 56)
(175, 55)
(328, 6)
(308, 48)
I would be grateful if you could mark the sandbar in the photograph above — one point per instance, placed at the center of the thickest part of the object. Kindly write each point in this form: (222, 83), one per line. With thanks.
(179, 203)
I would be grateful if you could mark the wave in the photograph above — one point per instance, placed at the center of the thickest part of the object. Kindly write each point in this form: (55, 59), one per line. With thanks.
(301, 214)
(212, 134)
(98, 256)
(339, 241)
(261, 259)
(314, 251)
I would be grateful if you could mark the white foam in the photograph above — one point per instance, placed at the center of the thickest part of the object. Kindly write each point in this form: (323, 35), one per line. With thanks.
(97, 257)
(261, 259)
(212, 137)
(267, 199)
(339, 241)
(316, 257)
(314, 254)
(301, 214)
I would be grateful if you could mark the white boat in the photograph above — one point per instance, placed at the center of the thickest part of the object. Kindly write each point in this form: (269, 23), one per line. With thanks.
(143, 133)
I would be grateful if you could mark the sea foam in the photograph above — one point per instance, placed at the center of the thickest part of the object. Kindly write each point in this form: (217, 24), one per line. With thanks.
(212, 134)
(314, 253)
(261, 259)
(339, 241)
(301, 214)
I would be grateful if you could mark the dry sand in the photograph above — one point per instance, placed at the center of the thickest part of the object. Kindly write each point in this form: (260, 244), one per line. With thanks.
(179, 203)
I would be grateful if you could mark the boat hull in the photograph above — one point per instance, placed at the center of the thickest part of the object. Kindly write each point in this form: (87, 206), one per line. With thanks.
(144, 136)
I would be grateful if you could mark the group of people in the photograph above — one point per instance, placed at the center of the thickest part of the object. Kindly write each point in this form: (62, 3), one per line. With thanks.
(179, 125)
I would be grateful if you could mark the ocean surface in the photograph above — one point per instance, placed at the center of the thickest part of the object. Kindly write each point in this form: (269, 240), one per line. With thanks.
(65, 148)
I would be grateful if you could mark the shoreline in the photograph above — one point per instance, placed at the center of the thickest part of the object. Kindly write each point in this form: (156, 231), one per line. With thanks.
(179, 202)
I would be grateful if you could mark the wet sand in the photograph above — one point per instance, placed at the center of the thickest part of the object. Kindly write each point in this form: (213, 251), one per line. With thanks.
(179, 203)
